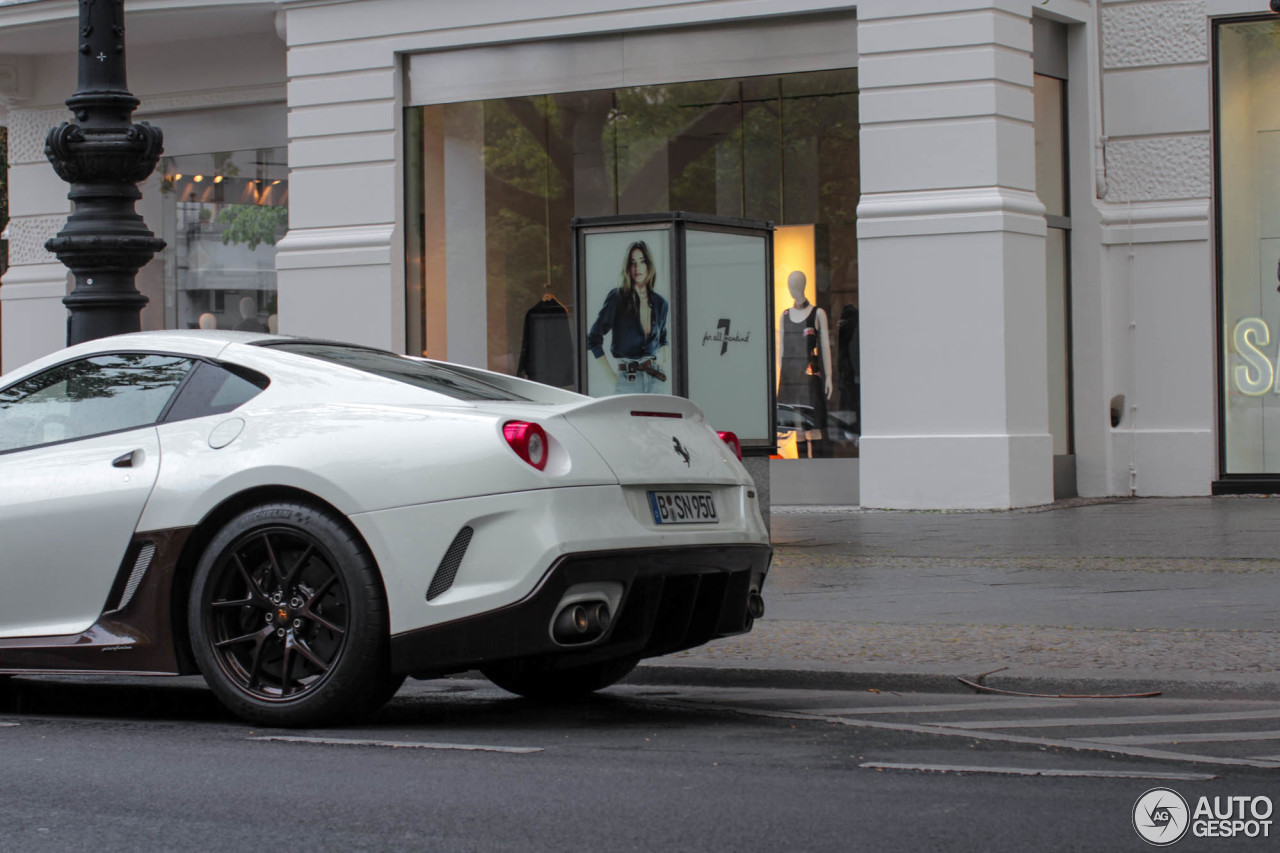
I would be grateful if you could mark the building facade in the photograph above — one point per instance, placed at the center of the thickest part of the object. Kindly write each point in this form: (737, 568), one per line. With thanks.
(1034, 236)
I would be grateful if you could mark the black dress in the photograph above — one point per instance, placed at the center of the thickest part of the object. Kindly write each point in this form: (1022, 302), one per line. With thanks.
(800, 379)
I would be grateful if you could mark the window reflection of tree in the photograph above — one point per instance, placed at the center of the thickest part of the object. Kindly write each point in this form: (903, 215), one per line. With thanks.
(135, 373)
(137, 385)
(781, 148)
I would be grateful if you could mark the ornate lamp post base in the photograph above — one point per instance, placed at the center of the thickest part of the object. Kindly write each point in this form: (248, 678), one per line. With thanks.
(103, 155)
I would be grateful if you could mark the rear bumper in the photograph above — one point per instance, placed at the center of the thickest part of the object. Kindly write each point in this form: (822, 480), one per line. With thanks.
(673, 599)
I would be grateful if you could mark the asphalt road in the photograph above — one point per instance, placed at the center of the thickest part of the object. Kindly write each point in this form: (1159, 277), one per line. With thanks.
(457, 765)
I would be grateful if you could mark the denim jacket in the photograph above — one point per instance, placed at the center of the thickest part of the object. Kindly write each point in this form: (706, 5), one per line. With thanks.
(628, 340)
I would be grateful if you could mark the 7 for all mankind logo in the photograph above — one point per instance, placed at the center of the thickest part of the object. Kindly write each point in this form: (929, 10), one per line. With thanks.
(723, 336)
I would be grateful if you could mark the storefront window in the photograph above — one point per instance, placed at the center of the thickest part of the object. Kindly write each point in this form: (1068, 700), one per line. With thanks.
(494, 186)
(222, 215)
(1248, 137)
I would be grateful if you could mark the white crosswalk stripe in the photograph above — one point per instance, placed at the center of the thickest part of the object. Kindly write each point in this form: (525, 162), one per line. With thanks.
(1198, 731)
(1137, 720)
(1190, 737)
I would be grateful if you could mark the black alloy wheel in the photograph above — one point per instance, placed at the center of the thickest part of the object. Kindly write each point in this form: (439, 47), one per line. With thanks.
(288, 618)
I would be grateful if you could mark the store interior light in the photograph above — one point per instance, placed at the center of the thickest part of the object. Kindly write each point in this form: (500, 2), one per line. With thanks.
(198, 178)
(218, 179)
(177, 177)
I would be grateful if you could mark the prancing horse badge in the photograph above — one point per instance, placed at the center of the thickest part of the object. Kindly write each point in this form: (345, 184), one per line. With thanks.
(680, 449)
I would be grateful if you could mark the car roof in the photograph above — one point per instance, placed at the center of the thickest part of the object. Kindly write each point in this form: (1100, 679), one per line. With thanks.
(178, 339)
(207, 343)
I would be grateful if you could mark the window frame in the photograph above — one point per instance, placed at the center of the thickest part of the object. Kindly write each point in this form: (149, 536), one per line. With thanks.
(161, 418)
(297, 347)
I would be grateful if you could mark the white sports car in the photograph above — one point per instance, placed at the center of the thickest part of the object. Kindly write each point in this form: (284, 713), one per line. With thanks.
(306, 523)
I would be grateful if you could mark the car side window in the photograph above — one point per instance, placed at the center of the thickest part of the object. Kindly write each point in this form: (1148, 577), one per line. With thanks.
(215, 389)
(91, 396)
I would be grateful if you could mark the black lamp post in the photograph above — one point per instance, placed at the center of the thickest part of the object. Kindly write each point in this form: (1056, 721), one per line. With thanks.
(103, 155)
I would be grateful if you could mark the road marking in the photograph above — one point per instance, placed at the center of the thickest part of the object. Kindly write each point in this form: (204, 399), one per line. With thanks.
(397, 744)
(1190, 737)
(977, 734)
(1019, 771)
(939, 709)
(1063, 722)
(10, 724)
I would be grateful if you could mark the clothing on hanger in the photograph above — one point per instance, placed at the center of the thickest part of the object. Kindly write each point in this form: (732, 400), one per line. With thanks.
(546, 348)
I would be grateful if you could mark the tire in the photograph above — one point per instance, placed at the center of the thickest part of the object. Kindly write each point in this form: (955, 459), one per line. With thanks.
(386, 689)
(555, 685)
(288, 618)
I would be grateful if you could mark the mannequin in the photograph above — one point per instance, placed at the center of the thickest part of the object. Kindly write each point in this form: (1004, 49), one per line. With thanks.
(207, 321)
(249, 321)
(804, 347)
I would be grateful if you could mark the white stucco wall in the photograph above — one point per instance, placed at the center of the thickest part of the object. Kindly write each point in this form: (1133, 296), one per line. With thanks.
(179, 77)
(951, 232)
(346, 63)
(1156, 250)
(952, 259)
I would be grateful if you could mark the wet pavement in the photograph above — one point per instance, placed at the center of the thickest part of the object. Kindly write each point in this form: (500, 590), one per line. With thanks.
(1180, 595)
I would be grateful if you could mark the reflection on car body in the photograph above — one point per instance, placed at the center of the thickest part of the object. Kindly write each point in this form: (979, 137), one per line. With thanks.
(307, 523)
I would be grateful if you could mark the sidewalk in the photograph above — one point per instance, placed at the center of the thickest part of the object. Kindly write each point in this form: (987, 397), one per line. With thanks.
(1121, 595)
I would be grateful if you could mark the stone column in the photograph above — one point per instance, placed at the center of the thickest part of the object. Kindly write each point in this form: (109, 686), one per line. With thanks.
(34, 320)
(952, 258)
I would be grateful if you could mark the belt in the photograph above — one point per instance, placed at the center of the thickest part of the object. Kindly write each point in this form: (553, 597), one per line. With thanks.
(632, 369)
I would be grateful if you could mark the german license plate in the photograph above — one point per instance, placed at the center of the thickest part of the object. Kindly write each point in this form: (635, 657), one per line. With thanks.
(683, 508)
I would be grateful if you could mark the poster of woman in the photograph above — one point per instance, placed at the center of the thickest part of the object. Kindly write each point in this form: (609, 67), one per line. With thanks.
(628, 295)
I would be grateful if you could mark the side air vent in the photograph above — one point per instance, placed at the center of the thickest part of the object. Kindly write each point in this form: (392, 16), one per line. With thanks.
(140, 567)
(449, 565)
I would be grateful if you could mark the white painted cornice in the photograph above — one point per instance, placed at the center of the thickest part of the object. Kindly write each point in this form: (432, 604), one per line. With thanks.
(956, 211)
(1155, 222)
(353, 245)
(36, 281)
(19, 12)
(177, 101)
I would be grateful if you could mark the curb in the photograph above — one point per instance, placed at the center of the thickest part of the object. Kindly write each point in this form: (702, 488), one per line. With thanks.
(890, 682)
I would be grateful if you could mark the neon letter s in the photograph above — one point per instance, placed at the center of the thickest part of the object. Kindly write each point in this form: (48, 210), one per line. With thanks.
(1251, 333)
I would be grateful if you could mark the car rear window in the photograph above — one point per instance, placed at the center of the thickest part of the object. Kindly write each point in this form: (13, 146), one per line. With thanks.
(214, 389)
(432, 376)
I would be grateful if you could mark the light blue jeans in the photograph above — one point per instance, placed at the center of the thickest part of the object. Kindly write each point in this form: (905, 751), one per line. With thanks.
(642, 384)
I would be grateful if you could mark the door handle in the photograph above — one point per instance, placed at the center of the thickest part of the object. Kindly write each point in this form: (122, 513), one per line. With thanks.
(125, 460)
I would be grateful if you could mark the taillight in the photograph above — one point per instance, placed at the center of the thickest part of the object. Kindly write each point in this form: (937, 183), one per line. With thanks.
(529, 441)
(732, 440)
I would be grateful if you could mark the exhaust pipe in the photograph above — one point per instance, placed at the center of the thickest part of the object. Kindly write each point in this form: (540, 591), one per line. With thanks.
(755, 605)
(581, 622)
(571, 623)
(603, 617)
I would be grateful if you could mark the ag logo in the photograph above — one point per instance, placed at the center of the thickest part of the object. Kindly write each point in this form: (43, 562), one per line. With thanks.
(1161, 816)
